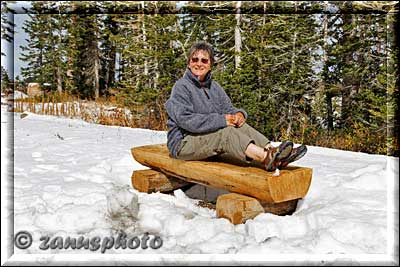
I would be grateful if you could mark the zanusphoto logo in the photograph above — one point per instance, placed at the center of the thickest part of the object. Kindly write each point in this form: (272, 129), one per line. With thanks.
(23, 240)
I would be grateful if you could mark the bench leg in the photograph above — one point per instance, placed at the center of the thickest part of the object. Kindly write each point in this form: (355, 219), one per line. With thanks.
(149, 181)
(239, 208)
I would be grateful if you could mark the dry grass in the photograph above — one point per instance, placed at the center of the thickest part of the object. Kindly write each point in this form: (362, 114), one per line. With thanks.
(356, 139)
(102, 111)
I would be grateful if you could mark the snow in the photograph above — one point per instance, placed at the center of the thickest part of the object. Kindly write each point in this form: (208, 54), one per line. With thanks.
(73, 179)
(18, 95)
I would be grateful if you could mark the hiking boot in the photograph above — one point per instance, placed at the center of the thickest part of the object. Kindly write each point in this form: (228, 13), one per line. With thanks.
(275, 154)
(296, 154)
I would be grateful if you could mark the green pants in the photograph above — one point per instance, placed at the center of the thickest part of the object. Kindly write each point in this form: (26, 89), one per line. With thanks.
(227, 144)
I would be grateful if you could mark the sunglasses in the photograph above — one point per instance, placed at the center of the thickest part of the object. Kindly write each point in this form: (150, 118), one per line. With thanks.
(203, 60)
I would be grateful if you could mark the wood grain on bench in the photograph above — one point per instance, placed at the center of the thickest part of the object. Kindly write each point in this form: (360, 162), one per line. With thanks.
(292, 183)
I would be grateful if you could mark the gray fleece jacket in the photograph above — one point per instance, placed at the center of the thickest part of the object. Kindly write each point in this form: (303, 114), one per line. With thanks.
(196, 107)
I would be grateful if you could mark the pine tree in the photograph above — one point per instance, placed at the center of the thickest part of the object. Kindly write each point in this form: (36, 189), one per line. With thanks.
(109, 29)
(5, 81)
(277, 59)
(85, 31)
(150, 54)
(356, 72)
(34, 52)
(47, 46)
(329, 74)
(131, 64)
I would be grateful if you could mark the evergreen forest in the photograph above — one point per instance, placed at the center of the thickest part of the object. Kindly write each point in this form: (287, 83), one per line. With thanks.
(321, 73)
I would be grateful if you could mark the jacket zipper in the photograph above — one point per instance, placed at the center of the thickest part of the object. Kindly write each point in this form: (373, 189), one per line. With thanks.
(204, 89)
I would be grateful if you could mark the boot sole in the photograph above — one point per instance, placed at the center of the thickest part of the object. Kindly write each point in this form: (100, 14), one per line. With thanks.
(284, 150)
(301, 151)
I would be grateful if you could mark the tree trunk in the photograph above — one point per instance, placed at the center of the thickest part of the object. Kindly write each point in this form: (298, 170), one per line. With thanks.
(59, 80)
(329, 111)
(292, 70)
(96, 61)
(238, 38)
(59, 60)
(349, 80)
(328, 96)
(146, 68)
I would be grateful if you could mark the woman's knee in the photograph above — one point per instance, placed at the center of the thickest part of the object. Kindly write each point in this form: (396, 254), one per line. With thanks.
(229, 131)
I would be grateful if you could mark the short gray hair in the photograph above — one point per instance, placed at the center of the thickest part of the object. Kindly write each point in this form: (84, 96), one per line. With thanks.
(201, 45)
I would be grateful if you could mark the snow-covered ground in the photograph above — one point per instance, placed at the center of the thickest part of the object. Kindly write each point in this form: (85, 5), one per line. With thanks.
(73, 179)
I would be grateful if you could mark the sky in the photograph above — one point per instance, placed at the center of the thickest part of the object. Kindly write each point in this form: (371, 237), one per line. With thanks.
(11, 62)
(73, 179)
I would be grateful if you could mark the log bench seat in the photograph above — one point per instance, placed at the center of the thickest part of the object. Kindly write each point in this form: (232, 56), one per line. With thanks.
(253, 190)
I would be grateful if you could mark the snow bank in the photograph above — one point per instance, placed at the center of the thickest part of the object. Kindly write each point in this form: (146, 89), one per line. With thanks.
(73, 178)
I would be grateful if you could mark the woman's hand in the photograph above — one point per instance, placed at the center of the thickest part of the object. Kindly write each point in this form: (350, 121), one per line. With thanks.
(230, 120)
(239, 119)
(235, 120)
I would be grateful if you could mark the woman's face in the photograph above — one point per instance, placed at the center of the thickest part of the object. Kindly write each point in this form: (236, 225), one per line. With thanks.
(200, 64)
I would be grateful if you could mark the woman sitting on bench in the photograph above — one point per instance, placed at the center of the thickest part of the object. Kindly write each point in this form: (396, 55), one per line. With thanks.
(202, 122)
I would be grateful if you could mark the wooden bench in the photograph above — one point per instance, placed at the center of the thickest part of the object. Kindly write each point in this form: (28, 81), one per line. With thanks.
(253, 190)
